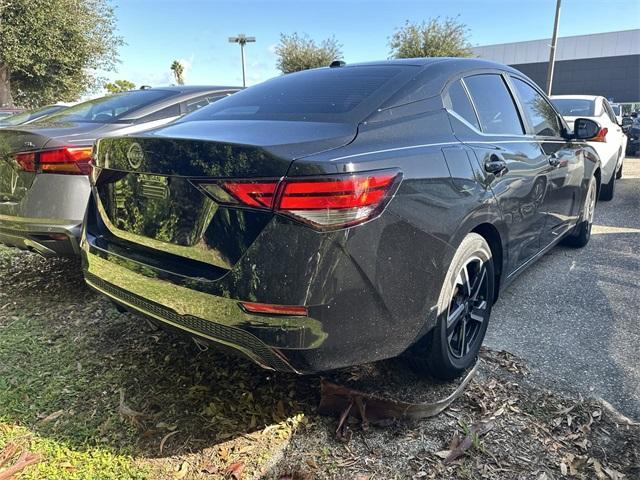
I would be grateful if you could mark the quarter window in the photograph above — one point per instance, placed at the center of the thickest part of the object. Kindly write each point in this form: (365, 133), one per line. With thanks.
(494, 104)
(199, 102)
(541, 114)
(458, 101)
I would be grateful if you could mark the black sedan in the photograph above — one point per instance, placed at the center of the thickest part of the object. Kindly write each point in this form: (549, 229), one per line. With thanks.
(342, 215)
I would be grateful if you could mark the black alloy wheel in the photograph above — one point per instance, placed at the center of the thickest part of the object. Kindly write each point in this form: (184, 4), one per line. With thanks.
(469, 307)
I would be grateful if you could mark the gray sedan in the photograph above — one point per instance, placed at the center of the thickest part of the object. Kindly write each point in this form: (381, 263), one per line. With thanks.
(44, 166)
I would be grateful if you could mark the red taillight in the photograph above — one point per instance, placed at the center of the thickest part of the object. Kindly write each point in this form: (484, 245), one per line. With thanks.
(340, 201)
(324, 202)
(66, 160)
(253, 194)
(601, 136)
(270, 309)
(27, 161)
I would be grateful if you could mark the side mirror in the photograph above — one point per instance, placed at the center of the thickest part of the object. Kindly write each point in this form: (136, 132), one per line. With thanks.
(584, 129)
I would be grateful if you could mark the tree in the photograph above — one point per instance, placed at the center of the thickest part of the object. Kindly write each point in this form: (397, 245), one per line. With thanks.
(434, 38)
(178, 71)
(51, 49)
(119, 86)
(296, 52)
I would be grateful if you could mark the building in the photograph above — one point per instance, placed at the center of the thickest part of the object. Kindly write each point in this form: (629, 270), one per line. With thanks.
(606, 64)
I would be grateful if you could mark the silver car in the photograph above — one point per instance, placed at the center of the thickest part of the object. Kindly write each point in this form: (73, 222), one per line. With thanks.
(44, 166)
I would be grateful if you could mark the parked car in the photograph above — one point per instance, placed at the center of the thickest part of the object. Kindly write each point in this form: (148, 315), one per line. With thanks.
(633, 145)
(617, 111)
(626, 125)
(342, 215)
(44, 187)
(610, 143)
(30, 116)
(7, 112)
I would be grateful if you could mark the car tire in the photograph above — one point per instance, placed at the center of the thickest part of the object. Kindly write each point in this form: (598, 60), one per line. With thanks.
(582, 232)
(464, 308)
(621, 158)
(608, 189)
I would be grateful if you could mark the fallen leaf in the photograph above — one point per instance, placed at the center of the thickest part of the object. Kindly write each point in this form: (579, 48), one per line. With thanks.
(312, 463)
(443, 453)
(209, 468)
(223, 452)
(182, 470)
(563, 468)
(52, 416)
(235, 470)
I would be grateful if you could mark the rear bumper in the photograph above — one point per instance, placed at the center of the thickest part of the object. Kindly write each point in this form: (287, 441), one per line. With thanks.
(47, 216)
(45, 236)
(364, 302)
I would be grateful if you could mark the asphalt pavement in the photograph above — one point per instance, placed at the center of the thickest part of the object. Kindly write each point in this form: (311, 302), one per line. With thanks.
(574, 315)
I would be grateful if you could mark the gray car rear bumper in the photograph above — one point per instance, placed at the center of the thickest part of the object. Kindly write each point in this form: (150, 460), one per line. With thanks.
(48, 216)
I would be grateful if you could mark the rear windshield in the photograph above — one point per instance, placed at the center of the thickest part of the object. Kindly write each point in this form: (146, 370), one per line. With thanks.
(344, 94)
(109, 109)
(20, 118)
(573, 107)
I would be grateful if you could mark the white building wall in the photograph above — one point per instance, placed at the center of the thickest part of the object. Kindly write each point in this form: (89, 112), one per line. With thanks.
(598, 45)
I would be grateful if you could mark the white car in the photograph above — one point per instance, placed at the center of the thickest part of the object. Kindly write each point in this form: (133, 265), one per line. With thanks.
(610, 143)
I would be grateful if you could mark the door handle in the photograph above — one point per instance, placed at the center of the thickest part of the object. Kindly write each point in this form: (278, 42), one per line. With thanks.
(496, 165)
(554, 161)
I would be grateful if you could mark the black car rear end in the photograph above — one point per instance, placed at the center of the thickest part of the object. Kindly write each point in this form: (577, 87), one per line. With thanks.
(239, 228)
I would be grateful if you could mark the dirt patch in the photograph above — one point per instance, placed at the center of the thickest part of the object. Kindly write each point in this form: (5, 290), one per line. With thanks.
(93, 390)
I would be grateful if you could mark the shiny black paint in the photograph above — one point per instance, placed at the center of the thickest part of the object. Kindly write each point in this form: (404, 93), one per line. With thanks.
(372, 290)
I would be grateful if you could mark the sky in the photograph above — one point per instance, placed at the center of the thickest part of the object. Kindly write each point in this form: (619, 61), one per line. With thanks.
(196, 32)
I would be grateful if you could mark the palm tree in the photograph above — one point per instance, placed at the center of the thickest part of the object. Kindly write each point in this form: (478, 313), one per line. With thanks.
(178, 72)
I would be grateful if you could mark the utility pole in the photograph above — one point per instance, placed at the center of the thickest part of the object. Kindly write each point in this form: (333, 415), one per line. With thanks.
(552, 53)
(242, 39)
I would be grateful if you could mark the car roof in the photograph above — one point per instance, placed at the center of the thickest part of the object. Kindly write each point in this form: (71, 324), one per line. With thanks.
(433, 73)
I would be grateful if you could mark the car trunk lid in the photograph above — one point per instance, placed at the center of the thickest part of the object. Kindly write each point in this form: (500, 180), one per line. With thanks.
(149, 191)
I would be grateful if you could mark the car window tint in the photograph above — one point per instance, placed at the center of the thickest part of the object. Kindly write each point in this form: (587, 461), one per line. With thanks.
(199, 102)
(457, 100)
(574, 107)
(111, 108)
(609, 110)
(167, 112)
(319, 95)
(494, 104)
(541, 115)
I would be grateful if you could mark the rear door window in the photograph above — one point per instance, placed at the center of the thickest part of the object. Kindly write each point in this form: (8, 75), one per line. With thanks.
(541, 114)
(496, 110)
(458, 101)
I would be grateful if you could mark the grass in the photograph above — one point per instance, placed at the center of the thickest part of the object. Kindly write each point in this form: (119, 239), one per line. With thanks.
(101, 395)
(97, 392)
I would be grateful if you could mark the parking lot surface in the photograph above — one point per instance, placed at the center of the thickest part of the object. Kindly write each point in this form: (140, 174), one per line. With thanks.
(575, 314)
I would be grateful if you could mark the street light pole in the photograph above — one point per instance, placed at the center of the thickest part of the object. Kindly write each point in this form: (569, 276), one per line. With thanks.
(242, 39)
(552, 53)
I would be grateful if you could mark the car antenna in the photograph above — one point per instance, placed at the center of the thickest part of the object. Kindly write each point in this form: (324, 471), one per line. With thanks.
(337, 63)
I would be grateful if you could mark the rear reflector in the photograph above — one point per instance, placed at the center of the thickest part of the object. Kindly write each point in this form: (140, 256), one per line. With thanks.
(323, 202)
(601, 136)
(66, 160)
(269, 309)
